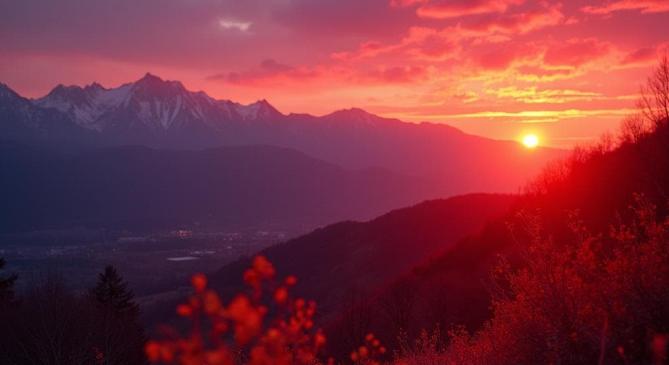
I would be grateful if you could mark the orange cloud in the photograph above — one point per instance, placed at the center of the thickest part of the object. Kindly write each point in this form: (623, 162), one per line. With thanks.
(420, 43)
(641, 56)
(268, 71)
(576, 52)
(365, 50)
(537, 73)
(435, 47)
(504, 56)
(645, 6)
(520, 23)
(532, 95)
(529, 116)
(395, 75)
(453, 9)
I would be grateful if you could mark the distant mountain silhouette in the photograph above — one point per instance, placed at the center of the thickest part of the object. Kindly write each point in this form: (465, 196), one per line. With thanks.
(140, 188)
(164, 114)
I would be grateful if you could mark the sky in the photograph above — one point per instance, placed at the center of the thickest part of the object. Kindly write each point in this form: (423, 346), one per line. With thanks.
(565, 70)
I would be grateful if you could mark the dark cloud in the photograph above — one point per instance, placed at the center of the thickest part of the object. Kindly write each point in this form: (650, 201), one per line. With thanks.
(268, 70)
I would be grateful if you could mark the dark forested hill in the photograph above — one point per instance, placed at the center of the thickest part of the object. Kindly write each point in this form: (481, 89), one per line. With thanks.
(352, 259)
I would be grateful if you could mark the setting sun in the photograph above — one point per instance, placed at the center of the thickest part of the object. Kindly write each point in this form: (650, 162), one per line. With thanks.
(530, 141)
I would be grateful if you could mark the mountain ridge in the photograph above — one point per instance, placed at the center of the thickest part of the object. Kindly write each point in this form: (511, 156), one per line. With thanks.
(164, 114)
(156, 83)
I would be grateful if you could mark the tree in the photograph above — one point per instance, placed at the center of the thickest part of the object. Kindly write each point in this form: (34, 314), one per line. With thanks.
(119, 337)
(398, 302)
(585, 300)
(6, 285)
(352, 326)
(111, 292)
(51, 325)
(654, 102)
(48, 325)
(633, 129)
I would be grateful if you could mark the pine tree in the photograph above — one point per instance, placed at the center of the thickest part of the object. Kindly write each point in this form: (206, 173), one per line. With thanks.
(111, 292)
(6, 285)
(119, 336)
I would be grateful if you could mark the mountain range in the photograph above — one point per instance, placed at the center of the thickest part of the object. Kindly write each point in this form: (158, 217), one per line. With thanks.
(151, 154)
(163, 114)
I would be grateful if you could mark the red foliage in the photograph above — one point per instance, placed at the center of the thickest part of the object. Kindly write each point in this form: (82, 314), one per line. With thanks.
(238, 332)
(369, 353)
(597, 299)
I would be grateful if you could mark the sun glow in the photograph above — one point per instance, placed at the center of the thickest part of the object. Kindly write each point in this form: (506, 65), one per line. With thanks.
(530, 141)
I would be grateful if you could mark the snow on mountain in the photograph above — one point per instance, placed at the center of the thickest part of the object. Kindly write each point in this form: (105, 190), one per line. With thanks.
(260, 110)
(151, 103)
(79, 103)
(156, 106)
(16, 110)
(21, 120)
(114, 97)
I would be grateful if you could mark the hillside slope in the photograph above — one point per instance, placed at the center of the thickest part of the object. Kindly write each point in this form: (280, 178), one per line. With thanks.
(354, 259)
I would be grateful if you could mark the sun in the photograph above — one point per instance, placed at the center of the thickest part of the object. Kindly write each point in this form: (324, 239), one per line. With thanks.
(530, 141)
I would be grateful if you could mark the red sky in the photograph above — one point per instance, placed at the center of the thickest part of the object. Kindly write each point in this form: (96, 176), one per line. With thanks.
(566, 70)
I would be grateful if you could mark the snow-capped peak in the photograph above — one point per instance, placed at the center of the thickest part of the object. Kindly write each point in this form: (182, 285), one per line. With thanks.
(150, 102)
(86, 105)
(155, 84)
(260, 110)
